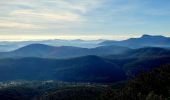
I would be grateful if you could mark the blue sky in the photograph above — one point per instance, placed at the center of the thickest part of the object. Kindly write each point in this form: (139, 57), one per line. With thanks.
(84, 19)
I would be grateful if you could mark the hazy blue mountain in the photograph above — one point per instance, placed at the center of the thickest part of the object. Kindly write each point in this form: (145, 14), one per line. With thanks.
(8, 47)
(13, 45)
(143, 59)
(134, 66)
(144, 41)
(46, 51)
(147, 52)
(82, 69)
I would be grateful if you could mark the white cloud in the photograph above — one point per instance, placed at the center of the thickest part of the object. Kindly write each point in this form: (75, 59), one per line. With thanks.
(16, 25)
(65, 36)
(46, 15)
(83, 6)
(78, 16)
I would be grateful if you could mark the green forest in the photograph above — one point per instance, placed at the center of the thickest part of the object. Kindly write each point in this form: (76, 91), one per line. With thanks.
(152, 85)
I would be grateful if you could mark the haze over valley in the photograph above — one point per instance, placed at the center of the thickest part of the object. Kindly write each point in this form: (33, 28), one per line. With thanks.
(84, 50)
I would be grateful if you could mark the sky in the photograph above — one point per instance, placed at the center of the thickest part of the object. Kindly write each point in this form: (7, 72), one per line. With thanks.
(83, 19)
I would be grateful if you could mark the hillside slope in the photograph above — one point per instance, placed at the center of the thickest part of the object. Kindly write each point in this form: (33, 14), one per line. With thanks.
(82, 69)
(45, 51)
(144, 41)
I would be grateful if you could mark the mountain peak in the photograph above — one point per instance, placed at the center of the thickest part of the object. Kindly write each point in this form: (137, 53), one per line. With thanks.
(148, 36)
(37, 44)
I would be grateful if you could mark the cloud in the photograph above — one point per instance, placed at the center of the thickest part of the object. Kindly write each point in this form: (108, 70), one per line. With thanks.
(82, 6)
(16, 25)
(46, 15)
(65, 36)
(83, 16)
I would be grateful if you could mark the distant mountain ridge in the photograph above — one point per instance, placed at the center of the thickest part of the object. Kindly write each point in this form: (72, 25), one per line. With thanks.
(146, 52)
(62, 52)
(144, 41)
(13, 45)
(81, 69)
(89, 68)
(149, 52)
(46, 51)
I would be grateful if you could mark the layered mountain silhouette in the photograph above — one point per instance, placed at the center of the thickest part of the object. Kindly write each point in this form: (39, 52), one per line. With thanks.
(148, 52)
(115, 62)
(45, 51)
(144, 41)
(109, 63)
(11, 45)
(82, 69)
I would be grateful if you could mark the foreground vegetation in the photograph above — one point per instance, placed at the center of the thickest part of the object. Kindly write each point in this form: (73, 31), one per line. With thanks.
(153, 85)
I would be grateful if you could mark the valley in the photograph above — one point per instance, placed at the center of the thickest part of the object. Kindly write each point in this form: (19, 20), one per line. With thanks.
(42, 72)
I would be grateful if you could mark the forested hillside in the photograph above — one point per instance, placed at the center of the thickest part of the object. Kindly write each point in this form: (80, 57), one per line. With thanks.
(153, 85)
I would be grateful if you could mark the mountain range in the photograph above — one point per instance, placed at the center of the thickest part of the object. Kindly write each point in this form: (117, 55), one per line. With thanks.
(106, 63)
(46, 51)
(81, 69)
(146, 52)
(13, 45)
(144, 41)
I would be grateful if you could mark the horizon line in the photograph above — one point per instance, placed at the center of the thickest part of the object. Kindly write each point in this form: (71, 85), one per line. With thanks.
(116, 37)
